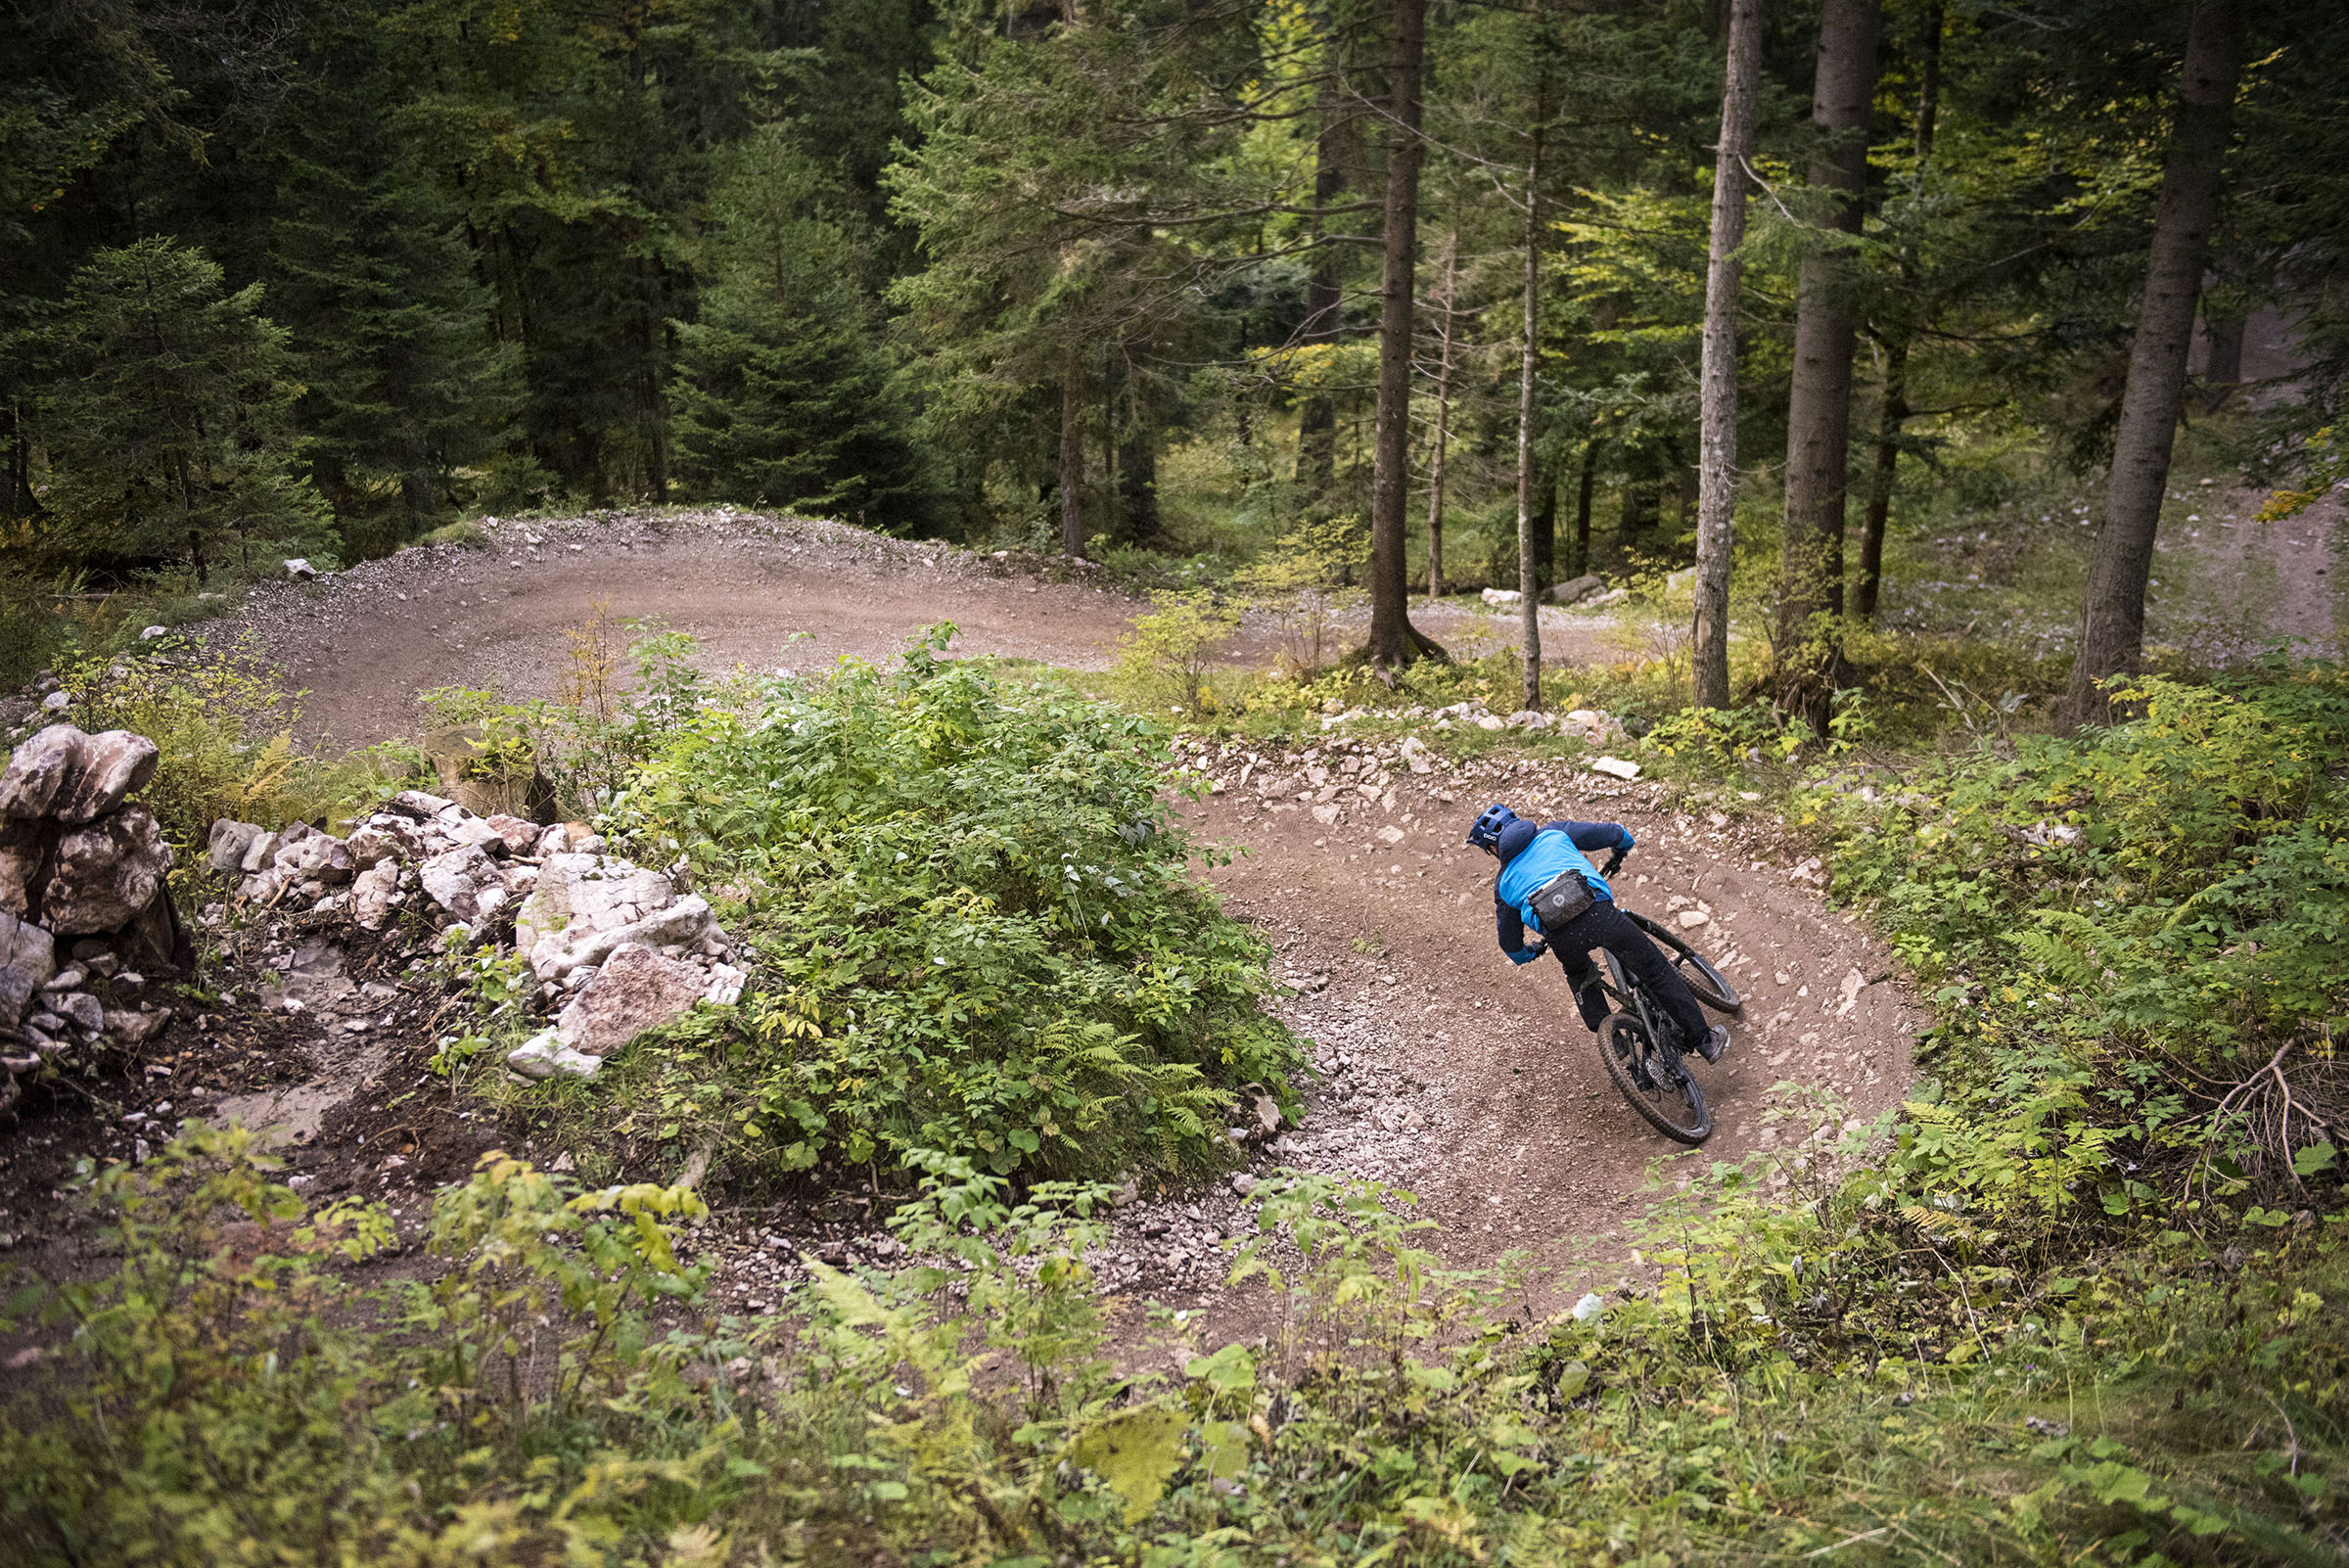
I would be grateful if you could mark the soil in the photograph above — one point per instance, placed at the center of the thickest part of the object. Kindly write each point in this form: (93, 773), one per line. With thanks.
(759, 592)
(1441, 1068)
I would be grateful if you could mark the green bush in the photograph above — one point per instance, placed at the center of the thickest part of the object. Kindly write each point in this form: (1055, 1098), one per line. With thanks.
(975, 928)
(1164, 663)
(227, 735)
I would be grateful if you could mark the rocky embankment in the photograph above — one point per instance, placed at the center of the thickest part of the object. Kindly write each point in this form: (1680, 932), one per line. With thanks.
(615, 948)
(86, 919)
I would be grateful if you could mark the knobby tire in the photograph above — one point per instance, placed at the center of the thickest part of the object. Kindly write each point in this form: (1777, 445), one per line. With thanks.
(1623, 1043)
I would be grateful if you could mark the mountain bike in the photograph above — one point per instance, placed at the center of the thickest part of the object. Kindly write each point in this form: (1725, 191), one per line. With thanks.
(1640, 1045)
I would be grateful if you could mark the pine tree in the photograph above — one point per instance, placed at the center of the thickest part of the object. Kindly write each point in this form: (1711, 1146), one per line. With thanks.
(782, 394)
(167, 424)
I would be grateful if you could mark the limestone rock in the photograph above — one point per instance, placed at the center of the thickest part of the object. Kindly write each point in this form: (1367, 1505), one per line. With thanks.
(463, 884)
(635, 991)
(373, 845)
(372, 895)
(417, 805)
(104, 875)
(583, 907)
(317, 856)
(136, 1026)
(542, 1056)
(300, 570)
(518, 836)
(261, 853)
(1575, 589)
(75, 778)
(27, 961)
(1502, 597)
(231, 842)
(726, 985)
(80, 1008)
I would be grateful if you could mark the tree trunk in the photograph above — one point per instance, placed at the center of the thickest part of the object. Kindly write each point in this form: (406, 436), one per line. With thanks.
(1717, 438)
(1318, 421)
(1393, 641)
(1819, 413)
(1435, 471)
(2225, 370)
(1138, 457)
(2112, 612)
(1545, 523)
(1529, 578)
(1583, 494)
(1071, 463)
(1893, 415)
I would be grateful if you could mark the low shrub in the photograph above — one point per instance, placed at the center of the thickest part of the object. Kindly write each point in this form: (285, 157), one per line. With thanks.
(223, 1397)
(975, 927)
(226, 734)
(1165, 661)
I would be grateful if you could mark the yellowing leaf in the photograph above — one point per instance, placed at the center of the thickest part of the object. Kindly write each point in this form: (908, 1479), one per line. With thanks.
(1133, 1453)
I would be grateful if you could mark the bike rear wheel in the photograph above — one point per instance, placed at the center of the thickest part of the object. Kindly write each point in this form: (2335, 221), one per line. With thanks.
(1655, 1079)
(1711, 985)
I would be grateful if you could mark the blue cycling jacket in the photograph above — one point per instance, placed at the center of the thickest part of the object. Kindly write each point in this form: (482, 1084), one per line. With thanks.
(1530, 858)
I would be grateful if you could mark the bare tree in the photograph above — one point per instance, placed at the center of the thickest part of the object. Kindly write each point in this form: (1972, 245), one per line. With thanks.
(1716, 442)
(1393, 641)
(1434, 469)
(2112, 611)
(1819, 410)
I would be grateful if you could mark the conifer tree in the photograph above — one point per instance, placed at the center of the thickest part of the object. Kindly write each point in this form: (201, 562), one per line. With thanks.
(167, 422)
(782, 393)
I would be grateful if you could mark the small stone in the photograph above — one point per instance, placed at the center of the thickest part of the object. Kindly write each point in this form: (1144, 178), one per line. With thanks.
(300, 570)
(1243, 1183)
(136, 1028)
(1690, 919)
(1616, 767)
(57, 702)
(82, 1010)
(543, 1056)
(231, 840)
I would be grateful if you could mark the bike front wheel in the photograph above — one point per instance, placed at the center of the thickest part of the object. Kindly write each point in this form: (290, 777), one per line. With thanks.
(1655, 1079)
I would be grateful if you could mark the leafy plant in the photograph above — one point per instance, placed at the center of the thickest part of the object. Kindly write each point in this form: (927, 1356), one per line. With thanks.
(975, 928)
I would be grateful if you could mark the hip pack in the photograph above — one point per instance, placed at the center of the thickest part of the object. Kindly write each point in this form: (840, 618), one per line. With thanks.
(1566, 896)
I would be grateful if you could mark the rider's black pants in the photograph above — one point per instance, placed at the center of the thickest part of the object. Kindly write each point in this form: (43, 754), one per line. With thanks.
(1605, 926)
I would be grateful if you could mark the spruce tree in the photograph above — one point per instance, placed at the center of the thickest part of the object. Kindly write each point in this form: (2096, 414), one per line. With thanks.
(167, 422)
(782, 394)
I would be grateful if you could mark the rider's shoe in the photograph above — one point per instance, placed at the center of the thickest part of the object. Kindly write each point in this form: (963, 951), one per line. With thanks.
(1716, 1041)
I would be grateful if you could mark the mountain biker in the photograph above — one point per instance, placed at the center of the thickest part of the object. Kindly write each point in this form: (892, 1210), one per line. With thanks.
(1533, 863)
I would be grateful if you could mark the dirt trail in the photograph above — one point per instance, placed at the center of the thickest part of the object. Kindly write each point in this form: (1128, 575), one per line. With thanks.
(1474, 1082)
(758, 591)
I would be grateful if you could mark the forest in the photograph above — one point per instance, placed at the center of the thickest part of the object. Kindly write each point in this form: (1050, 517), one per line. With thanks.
(1473, 292)
(743, 734)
